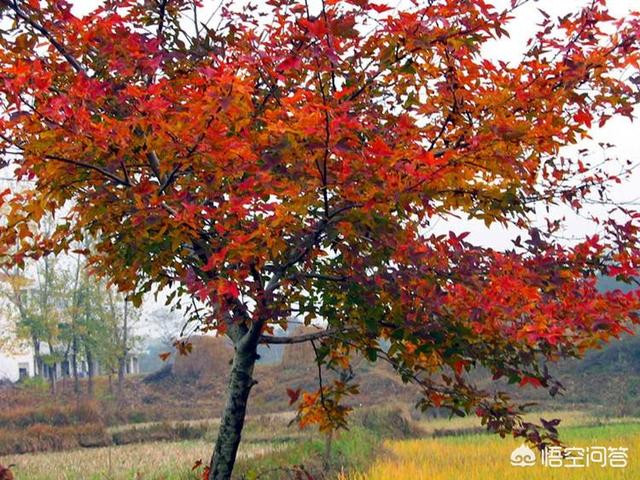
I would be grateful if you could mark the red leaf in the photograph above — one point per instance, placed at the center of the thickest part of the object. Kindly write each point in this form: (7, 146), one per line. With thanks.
(583, 117)
(379, 8)
(380, 148)
(205, 473)
(289, 63)
(215, 260)
(530, 380)
(317, 28)
(458, 366)
(293, 395)
(229, 288)
(428, 158)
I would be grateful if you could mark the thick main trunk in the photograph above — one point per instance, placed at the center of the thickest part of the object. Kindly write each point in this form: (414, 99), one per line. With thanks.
(233, 416)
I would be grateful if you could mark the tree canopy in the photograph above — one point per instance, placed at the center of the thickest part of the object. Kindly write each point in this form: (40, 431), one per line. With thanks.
(290, 161)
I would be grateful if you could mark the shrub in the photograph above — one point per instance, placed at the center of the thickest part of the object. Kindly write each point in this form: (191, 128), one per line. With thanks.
(160, 432)
(45, 438)
(387, 422)
(56, 415)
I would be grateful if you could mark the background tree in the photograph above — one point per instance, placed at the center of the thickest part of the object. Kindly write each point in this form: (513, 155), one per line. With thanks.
(22, 321)
(36, 303)
(71, 329)
(97, 326)
(57, 303)
(293, 167)
(123, 317)
(94, 326)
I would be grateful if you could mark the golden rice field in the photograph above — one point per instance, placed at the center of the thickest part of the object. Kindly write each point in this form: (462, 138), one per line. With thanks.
(483, 457)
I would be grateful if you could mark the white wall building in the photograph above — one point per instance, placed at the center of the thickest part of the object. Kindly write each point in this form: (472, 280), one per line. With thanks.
(14, 366)
(15, 359)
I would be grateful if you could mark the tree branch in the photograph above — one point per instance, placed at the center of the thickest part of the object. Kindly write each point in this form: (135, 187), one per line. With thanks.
(319, 276)
(308, 337)
(45, 33)
(106, 173)
(154, 163)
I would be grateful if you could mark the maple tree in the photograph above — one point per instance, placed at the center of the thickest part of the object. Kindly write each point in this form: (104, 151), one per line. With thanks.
(289, 161)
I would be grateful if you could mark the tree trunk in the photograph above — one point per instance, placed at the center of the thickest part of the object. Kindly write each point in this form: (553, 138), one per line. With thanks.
(37, 367)
(240, 383)
(52, 379)
(74, 366)
(90, 372)
(326, 459)
(74, 329)
(121, 373)
(124, 352)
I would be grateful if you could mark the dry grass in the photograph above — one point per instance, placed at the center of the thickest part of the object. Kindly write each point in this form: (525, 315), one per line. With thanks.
(149, 461)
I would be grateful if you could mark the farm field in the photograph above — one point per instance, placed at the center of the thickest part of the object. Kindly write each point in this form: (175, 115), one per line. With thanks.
(444, 450)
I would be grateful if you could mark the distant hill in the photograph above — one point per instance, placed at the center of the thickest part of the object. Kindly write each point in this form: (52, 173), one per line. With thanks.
(150, 361)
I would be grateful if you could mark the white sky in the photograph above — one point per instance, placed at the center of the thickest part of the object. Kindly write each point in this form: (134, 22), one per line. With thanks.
(618, 131)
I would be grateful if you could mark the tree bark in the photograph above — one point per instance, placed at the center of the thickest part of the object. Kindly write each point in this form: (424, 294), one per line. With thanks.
(120, 381)
(37, 370)
(326, 459)
(122, 362)
(74, 366)
(74, 328)
(90, 372)
(52, 379)
(240, 383)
